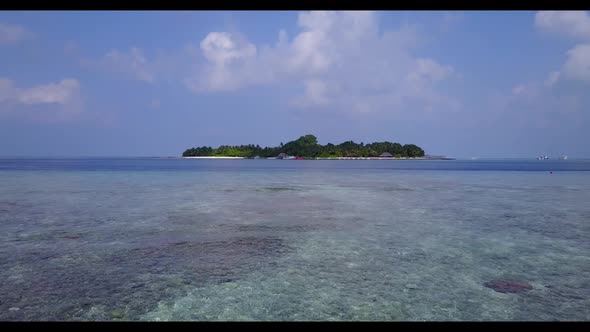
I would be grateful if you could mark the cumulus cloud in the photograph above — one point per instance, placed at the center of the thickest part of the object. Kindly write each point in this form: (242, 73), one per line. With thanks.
(574, 24)
(340, 59)
(221, 48)
(231, 63)
(543, 104)
(577, 65)
(64, 94)
(12, 33)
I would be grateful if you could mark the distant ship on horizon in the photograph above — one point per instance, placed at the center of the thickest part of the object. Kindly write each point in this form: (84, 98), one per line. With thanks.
(564, 157)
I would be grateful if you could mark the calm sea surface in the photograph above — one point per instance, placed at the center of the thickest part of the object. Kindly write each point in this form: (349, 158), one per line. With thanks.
(175, 239)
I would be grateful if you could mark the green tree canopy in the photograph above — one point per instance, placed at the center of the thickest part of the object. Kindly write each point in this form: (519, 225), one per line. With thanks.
(307, 146)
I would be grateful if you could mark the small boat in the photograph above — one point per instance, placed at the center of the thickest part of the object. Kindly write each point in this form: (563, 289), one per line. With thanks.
(563, 158)
(543, 158)
(298, 158)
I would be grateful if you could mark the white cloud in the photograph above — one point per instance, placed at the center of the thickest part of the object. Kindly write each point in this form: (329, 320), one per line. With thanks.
(222, 48)
(133, 64)
(574, 24)
(230, 63)
(535, 105)
(315, 94)
(577, 65)
(12, 33)
(553, 77)
(548, 103)
(341, 59)
(519, 90)
(425, 72)
(52, 93)
(530, 93)
(65, 94)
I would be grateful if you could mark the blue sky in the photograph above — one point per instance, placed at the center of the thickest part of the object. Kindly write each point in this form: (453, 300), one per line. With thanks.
(486, 84)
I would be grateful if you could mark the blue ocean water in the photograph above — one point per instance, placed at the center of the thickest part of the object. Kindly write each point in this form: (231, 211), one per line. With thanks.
(180, 239)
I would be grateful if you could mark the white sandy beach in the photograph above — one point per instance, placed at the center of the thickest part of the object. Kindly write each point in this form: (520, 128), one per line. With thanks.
(214, 157)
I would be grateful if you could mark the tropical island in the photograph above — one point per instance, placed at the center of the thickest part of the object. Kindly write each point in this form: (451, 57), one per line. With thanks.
(307, 147)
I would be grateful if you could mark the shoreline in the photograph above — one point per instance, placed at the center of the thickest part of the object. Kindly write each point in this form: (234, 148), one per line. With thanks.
(372, 158)
(213, 157)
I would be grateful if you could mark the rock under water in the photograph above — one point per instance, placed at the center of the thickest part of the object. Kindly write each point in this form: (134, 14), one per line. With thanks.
(508, 286)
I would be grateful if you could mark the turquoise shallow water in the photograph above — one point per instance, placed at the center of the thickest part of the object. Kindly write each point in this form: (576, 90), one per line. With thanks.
(171, 239)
